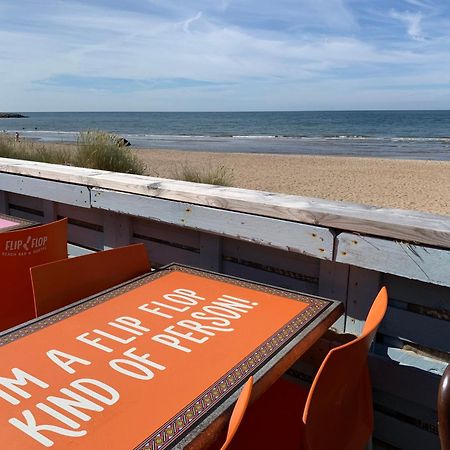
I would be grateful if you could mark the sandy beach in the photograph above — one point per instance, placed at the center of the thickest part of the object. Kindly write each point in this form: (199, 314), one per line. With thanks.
(406, 184)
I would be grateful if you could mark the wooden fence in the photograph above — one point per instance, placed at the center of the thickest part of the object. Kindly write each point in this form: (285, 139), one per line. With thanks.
(334, 249)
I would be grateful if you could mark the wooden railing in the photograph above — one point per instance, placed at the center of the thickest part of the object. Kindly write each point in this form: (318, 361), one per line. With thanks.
(338, 250)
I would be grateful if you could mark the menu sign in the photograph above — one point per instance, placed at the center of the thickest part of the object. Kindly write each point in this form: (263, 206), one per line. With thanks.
(138, 369)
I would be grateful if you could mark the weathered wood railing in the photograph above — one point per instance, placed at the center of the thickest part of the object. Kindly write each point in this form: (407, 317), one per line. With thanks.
(334, 249)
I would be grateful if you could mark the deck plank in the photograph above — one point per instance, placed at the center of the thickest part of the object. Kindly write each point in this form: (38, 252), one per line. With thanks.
(291, 236)
(399, 258)
(393, 223)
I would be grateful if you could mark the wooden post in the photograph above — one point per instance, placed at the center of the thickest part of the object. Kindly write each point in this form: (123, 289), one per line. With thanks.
(50, 213)
(117, 230)
(211, 252)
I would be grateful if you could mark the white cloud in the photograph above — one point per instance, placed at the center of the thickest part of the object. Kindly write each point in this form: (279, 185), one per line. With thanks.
(413, 22)
(188, 22)
(419, 3)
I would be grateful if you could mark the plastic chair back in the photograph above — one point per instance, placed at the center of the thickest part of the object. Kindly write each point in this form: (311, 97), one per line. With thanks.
(338, 413)
(20, 250)
(63, 282)
(444, 409)
(238, 412)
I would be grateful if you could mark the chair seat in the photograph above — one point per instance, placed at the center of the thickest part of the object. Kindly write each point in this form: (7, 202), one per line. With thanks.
(274, 421)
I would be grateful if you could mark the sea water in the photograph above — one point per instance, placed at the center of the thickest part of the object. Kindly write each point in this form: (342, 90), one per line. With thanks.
(387, 134)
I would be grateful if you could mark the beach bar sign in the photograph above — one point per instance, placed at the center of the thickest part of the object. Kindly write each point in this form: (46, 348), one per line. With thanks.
(139, 368)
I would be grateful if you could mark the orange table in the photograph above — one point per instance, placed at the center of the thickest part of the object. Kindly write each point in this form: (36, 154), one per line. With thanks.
(152, 364)
(9, 223)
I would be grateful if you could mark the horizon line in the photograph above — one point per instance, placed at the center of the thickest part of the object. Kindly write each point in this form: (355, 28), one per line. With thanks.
(228, 111)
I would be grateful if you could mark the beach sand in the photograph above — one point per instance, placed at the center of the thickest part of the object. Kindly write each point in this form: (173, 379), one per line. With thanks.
(414, 185)
(406, 184)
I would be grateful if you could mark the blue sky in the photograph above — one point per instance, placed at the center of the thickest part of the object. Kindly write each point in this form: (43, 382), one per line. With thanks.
(224, 55)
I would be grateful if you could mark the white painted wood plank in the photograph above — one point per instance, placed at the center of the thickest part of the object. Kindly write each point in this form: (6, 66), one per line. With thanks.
(274, 279)
(404, 388)
(85, 237)
(89, 216)
(413, 394)
(403, 435)
(412, 359)
(417, 292)
(57, 172)
(25, 215)
(399, 258)
(45, 189)
(161, 254)
(278, 259)
(286, 235)
(405, 407)
(417, 328)
(165, 232)
(394, 223)
(25, 201)
(412, 383)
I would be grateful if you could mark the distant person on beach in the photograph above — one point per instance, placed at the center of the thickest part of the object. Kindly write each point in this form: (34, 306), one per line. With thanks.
(17, 137)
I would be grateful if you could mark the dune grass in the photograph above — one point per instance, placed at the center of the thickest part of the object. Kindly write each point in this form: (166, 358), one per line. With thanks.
(99, 150)
(31, 151)
(219, 175)
(94, 149)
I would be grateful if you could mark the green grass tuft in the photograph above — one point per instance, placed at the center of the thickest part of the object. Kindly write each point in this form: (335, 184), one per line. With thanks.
(219, 175)
(99, 150)
(31, 151)
(95, 150)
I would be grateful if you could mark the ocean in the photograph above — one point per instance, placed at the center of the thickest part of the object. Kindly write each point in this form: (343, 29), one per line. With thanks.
(387, 134)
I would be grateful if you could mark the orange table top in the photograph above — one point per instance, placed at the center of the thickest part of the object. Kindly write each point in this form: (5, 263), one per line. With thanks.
(146, 364)
(9, 223)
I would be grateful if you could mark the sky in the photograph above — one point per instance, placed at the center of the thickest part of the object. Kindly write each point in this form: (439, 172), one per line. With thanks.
(224, 55)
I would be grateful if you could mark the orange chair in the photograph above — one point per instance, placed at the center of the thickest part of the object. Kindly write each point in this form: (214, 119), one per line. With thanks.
(61, 283)
(444, 409)
(238, 412)
(336, 413)
(20, 250)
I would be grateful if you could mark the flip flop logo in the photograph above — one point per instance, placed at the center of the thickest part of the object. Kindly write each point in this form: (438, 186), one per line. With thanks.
(26, 246)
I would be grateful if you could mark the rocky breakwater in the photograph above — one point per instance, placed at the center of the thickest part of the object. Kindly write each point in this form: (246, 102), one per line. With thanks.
(11, 116)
